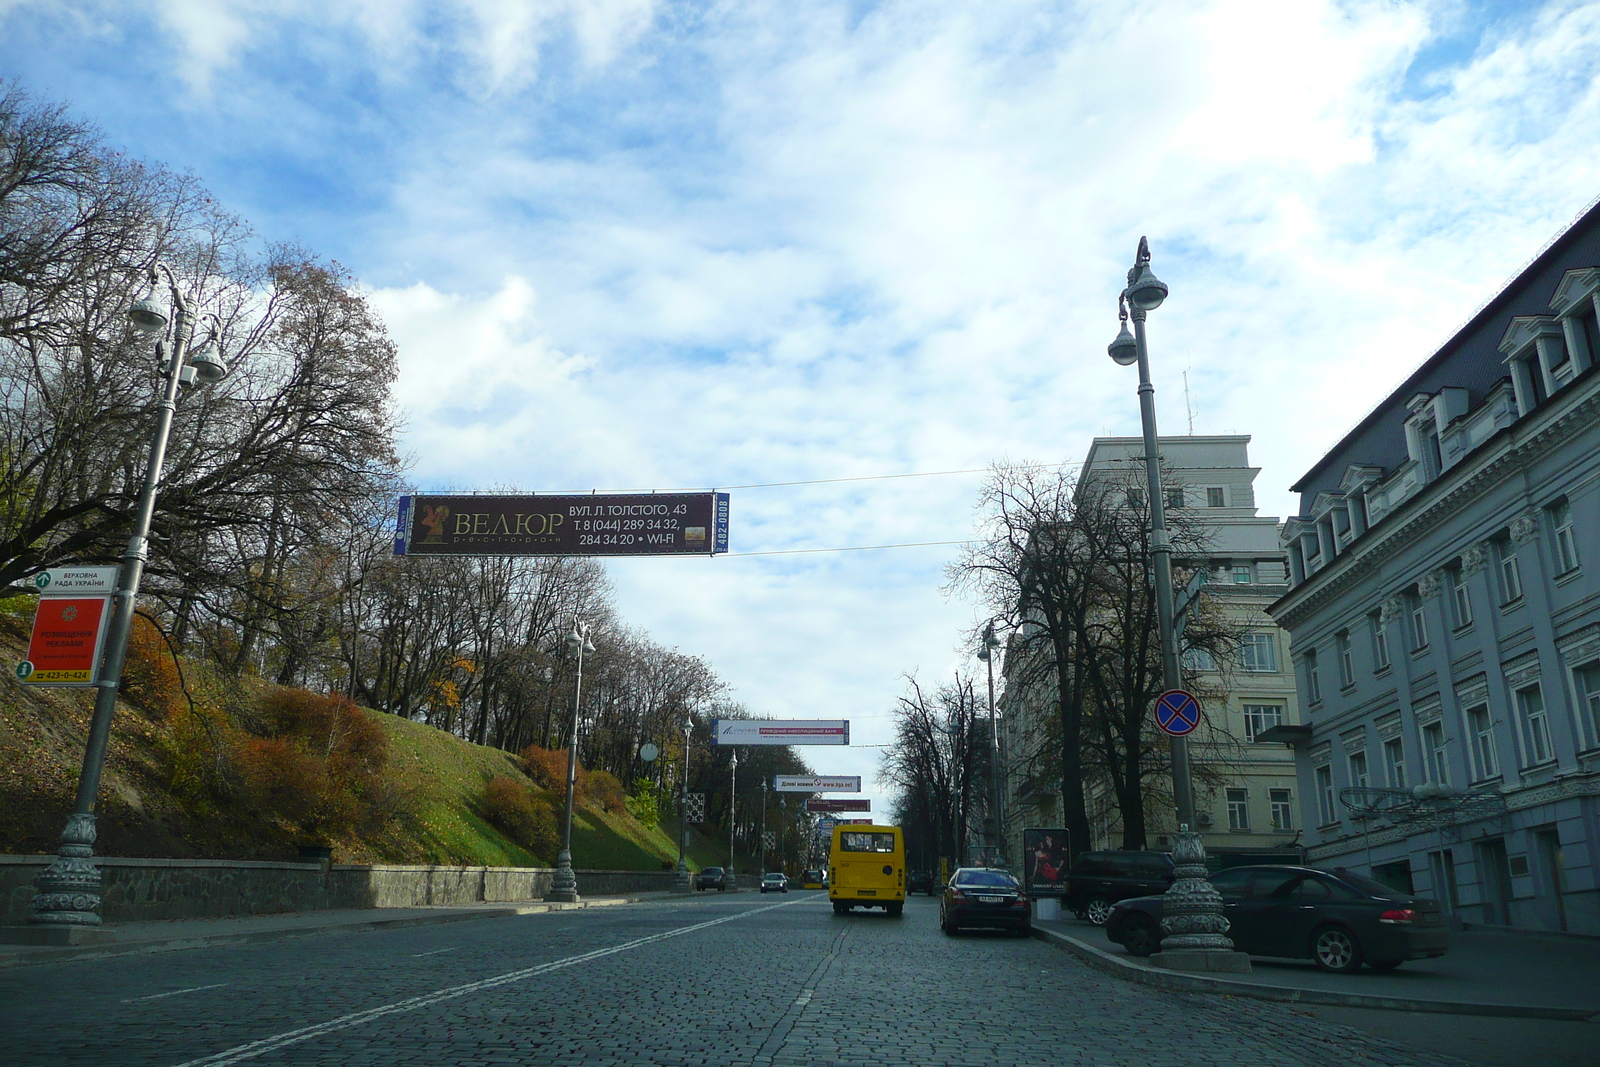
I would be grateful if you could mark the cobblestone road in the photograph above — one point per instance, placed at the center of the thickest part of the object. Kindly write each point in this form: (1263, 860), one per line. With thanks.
(758, 980)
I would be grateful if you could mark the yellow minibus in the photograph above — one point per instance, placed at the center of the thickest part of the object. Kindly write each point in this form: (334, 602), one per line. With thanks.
(867, 868)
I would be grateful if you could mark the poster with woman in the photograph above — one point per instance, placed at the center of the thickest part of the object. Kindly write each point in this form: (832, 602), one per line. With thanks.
(1045, 856)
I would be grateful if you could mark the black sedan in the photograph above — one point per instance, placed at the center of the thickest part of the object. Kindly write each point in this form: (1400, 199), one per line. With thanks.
(920, 882)
(982, 896)
(1338, 918)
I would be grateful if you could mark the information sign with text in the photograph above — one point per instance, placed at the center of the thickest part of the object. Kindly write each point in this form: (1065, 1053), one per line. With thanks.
(827, 804)
(68, 634)
(780, 732)
(816, 783)
(587, 524)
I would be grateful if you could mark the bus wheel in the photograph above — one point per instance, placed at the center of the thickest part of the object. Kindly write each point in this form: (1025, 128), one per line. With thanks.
(895, 909)
(840, 907)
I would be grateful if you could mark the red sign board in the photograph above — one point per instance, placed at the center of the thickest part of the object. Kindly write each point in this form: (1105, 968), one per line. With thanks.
(816, 804)
(67, 636)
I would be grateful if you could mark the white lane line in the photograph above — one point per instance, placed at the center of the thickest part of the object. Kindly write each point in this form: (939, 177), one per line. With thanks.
(175, 992)
(435, 952)
(293, 1037)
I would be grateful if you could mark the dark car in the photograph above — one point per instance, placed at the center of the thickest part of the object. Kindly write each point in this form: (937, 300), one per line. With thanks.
(712, 878)
(1337, 918)
(1098, 880)
(982, 896)
(920, 882)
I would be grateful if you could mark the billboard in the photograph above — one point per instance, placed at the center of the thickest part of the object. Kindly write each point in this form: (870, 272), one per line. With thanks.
(821, 804)
(581, 524)
(816, 783)
(68, 635)
(1045, 858)
(780, 732)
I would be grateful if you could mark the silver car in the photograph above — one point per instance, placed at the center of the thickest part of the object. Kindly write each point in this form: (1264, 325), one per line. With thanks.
(775, 883)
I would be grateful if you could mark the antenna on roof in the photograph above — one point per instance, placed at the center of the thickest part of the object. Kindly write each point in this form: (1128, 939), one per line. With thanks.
(1186, 406)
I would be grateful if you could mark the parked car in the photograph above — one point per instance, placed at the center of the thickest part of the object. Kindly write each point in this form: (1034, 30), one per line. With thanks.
(776, 882)
(920, 882)
(1098, 880)
(712, 878)
(983, 896)
(1337, 918)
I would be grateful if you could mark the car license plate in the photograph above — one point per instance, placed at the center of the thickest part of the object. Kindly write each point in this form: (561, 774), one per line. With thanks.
(992, 900)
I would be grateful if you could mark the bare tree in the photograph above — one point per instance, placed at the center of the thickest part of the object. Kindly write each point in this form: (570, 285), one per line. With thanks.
(938, 763)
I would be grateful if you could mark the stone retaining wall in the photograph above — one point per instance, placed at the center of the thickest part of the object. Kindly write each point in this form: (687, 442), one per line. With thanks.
(141, 889)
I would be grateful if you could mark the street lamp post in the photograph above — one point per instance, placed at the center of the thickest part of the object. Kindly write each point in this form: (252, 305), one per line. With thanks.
(733, 798)
(680, 880)
(1193, 924)
(783, 834)
(564, 886)
(763, 871)
(986, 653)
(67, 904)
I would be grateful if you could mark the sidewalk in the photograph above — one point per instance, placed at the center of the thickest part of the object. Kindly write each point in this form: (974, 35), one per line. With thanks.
(1484, 973)
(137, 938)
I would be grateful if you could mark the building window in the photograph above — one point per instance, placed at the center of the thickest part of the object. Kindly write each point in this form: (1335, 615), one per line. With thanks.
(1241, 574)
(1325, 808)
(1259, 718)
(1433, 741)
(1198, 659)
(1214, 497)
(1566, 545)
(1238, 809)
(1535, 725)
(1258, 653)
(1510, 574)
(1394, 760)
(1282, 803)
(1347, 661)
(1460, 598)
(1419, 623)
(1313, 680)
(1481, 727)
(1135, 497)
(1174, 498)
(1380, 642)
(1358, 767)
(1588, 679)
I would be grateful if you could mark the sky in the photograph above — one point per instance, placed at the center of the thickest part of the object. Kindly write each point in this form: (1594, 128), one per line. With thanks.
(628, 244)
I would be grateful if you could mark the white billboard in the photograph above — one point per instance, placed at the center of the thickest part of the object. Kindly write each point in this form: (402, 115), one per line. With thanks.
(780, 731)
(816, 783)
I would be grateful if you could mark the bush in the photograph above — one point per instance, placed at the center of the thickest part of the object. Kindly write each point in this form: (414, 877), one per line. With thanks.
(525, 819)
(603, 788)
(150, 676)
(546, 766)
(644, 806)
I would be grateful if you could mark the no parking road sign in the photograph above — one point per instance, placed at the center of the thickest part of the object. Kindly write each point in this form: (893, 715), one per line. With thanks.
(1177, 712)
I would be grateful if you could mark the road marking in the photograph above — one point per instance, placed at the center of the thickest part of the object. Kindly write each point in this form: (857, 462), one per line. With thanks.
(779, 1033)
(175, 992)
(305, 1033)
(435, 952)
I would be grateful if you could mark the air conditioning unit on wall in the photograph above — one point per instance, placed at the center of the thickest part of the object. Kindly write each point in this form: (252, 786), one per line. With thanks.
(1204, 818)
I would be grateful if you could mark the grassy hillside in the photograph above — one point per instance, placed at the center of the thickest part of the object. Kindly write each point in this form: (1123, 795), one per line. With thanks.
(179, 781)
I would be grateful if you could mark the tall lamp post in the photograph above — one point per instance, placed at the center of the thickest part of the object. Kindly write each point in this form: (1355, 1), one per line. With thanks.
(67, 903)
(680, 880)
(1193, 924)
(986, 653)
(733, 798)
(783, 834)
(763, 871)
(564, 886)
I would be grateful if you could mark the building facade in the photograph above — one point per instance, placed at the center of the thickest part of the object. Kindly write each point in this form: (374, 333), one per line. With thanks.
(1445, 613)
(1247, 802)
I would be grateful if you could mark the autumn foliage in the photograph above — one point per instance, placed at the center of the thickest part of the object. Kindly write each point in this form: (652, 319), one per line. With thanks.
(526, 819)
(150, 676)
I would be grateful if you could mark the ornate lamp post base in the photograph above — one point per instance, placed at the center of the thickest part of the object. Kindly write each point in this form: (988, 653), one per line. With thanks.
(1192, 920)
(680, 880)
(66, 908)
(564, 886)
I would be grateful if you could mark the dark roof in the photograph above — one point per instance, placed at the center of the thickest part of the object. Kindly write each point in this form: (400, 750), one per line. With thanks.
(1470, 359)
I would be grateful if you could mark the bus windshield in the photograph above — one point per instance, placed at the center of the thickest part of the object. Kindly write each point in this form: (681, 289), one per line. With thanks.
(861, 842)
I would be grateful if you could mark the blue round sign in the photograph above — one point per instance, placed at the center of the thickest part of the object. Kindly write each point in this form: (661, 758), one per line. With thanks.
(1177, 712)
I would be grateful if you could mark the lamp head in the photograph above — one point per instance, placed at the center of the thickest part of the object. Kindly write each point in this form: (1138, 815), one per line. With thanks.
(148, 314)
(209, 366)
(574, 641)
(983, 654)
(1125, 350)
(1145, 290)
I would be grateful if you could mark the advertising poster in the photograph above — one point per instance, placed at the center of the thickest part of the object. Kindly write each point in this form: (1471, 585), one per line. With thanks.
(780, 731)
(816, 783)
(821, 804)
(586, 524)
(1045, 856)
(68, 633)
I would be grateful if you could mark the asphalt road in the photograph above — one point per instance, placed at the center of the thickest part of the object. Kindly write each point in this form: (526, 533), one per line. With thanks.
(745, 979)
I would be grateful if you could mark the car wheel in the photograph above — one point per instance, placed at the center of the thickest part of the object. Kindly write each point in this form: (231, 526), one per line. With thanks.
(1097, 911)
(950, 929)
(1140, 935)
(1336, 949)
(1384, 965)
(1024, 930)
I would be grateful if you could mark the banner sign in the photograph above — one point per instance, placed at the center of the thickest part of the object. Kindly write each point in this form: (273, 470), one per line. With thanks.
(1045, 856)
(825, 826)
(854, 822)
(822, 804)
(69, 633)
(816, 783)
(780, 732)
(77, 581)
(586, 524)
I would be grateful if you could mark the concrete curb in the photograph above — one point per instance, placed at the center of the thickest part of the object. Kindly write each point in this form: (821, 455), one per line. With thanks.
(1189, 983)
(33, 956)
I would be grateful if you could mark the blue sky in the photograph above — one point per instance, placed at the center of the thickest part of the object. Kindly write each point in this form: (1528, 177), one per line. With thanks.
(630, 244)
